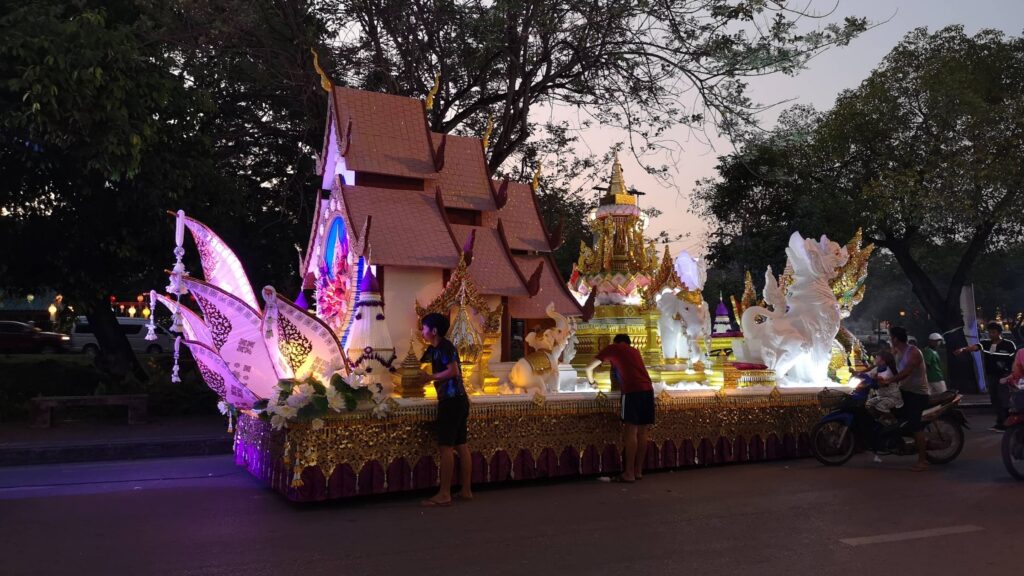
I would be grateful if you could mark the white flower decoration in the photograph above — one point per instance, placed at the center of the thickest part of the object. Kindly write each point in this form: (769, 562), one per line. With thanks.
(357, 379)
(317, 423)
(336, 400)
(301, 396)
(222, 406)
(283, 410)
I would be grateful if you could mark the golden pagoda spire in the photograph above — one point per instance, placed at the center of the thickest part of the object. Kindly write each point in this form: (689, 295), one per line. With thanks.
(618, 183)
(617, 192)
(535, 185)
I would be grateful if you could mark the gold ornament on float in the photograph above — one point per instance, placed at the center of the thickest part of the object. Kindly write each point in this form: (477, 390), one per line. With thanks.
(429, 104)
(849, 284)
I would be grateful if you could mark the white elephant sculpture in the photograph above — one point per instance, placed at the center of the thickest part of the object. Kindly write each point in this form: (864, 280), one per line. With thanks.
(673, 339)
(538, 370)
(685, 321)
(688, 319)
(795, 338)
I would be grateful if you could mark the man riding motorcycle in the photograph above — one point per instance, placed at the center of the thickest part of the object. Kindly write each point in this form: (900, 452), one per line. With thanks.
(913, 381)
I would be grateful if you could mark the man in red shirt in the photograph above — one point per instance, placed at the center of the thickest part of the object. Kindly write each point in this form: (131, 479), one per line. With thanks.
(637, 401)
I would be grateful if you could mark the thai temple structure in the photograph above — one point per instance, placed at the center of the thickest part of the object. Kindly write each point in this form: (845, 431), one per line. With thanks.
(409, 202)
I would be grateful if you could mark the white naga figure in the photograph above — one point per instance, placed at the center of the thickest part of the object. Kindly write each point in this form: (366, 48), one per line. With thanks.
(539, 369)
(685, 318)
(795, 337)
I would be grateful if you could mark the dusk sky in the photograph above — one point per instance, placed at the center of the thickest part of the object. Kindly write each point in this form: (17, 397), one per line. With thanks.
(827, 75)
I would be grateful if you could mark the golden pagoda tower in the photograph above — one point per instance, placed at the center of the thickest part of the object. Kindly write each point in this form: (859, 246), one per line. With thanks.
(618, 267)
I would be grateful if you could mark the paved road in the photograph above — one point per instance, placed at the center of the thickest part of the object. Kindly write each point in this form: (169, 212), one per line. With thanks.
(204, 516)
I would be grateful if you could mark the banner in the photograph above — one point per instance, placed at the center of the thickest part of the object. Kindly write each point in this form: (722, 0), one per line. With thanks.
(970, 312)
(192, 324)
(221, 267)
(237, 335)
(218, 376)
(304, 343)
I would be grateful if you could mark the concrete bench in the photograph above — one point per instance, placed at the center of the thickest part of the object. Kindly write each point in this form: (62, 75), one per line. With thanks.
(42, 406)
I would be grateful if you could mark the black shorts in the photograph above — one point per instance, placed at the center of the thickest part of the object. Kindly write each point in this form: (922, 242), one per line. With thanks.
(914, 405)
(452, 420)
(638, 408)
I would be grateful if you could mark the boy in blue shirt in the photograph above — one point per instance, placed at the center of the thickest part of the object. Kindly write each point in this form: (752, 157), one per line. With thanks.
(452, 409)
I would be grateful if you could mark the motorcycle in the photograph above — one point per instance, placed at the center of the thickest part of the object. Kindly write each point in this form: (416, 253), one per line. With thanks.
(1013, 437)
(850, 427)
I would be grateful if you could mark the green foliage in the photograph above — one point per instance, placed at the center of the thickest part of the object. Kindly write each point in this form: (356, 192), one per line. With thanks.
(622, 62)
(926, 155)
(115, 111)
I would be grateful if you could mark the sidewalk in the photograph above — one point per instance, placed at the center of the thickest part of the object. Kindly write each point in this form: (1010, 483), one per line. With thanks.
(81, 441)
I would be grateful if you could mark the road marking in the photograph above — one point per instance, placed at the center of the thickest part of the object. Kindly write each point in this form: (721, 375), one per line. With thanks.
(901, 536)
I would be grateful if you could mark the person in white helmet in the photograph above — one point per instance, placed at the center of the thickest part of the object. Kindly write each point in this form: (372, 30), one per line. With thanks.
(936, 379)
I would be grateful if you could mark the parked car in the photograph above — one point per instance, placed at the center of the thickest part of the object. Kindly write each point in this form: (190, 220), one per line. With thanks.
(21, 337)
(83, 339)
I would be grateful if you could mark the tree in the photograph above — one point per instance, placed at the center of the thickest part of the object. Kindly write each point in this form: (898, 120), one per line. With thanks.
(925, 154)
(760, 197)
(115, 111)
(930, 150)
(93, 118)
(642, 66)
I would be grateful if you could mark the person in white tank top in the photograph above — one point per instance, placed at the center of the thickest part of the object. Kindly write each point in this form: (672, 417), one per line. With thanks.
(913, 381)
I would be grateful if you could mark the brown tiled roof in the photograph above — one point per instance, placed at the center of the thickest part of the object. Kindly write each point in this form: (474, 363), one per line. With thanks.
(407, 229)
(464, 180)
(521, 218)
(389, 133)
(552, 289)
(492, 267)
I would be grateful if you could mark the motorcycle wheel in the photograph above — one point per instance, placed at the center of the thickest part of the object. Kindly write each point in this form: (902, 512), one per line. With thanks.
(945, 429)
(832, 443)
(1013, 451)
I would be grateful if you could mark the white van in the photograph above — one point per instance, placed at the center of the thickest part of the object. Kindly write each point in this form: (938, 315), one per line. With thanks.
(83, 339)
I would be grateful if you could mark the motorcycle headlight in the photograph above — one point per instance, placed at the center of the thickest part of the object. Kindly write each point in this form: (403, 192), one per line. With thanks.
(65, 338)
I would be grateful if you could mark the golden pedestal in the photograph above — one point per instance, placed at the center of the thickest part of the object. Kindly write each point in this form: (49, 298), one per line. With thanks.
(757, 378)
(610, 320)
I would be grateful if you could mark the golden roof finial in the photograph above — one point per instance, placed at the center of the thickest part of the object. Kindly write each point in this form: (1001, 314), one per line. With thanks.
(618, 183)
(487, 132)
(749, 297)
(536, 178)
(325, 82)
(617, 192)
(433, 91)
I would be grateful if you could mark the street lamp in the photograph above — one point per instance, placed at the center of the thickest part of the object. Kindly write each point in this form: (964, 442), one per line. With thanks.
(146, 312)
(132, 311)
(53, 312)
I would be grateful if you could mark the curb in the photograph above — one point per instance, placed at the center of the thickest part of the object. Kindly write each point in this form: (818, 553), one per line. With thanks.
(31, 454)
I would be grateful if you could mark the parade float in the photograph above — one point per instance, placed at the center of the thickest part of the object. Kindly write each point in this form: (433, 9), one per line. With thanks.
(326, 394)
